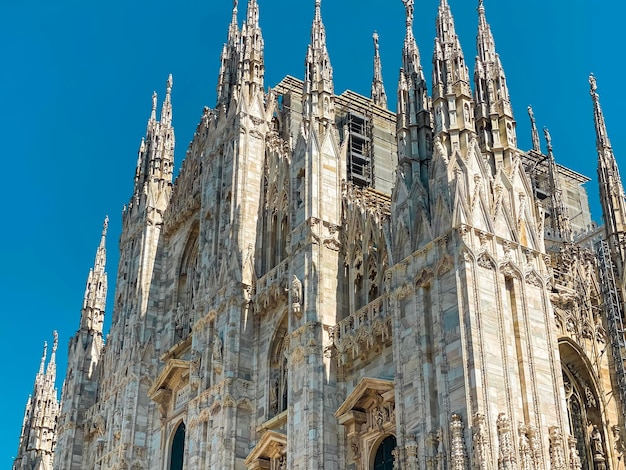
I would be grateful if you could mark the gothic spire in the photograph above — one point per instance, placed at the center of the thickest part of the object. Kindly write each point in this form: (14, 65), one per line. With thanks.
(318, 97)
(155, 160)
(44, 355)
(413, 112)
(494, 88)
(38, 436)
(560, 217)
(494, 114)
(94, 301)
(410, 53)
(378, 88)
(611, 187)
(154, 108)
(51, 372)
(253, 13)
(535, 132)
(166, 110)
(449, 61)
(485, 44)
(602, 137)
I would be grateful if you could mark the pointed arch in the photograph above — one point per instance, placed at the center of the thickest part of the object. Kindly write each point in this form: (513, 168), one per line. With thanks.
(585, 406)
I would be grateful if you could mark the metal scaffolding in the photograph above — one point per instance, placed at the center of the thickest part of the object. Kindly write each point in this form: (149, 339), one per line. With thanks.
(615, 324)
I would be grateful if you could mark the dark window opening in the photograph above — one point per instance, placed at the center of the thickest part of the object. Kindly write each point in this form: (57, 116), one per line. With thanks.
(384, 454)
(178, 448)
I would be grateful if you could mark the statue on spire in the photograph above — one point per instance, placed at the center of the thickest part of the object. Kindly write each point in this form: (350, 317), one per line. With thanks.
(535, 132)
(594, 85)
(379, 96)
(409, 6)
(548, 137)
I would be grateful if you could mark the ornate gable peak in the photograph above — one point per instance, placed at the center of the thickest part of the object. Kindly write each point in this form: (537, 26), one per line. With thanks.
(367, 391)
(170, 375)
(271, 445)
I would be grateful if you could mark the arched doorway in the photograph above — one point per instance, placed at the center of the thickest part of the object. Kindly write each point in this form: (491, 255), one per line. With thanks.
(384, 455)
(177, 454)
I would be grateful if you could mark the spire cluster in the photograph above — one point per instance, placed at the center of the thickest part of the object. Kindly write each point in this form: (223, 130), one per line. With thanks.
(155, 160)
(38, 436)
(242, 68)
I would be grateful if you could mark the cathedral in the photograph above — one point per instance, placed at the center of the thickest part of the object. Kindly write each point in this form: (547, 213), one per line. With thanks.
(327, 284)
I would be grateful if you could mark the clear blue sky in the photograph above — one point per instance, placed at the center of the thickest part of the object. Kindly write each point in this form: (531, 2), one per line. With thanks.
(76, 85)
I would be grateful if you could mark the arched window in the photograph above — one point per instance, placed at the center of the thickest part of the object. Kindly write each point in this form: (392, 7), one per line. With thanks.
(384, 455)
(177, 454)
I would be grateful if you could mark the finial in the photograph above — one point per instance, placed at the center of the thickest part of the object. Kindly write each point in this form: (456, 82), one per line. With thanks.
(318, 9)
(170, 82)
(55, 344)
(409, 7)
(481, 5)
(375, 37)
(154, 101)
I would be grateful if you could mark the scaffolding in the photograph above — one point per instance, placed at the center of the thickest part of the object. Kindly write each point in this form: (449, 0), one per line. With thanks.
(614, 319)
(359, 150)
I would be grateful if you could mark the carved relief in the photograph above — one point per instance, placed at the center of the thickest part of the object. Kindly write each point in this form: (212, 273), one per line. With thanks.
(360, 334)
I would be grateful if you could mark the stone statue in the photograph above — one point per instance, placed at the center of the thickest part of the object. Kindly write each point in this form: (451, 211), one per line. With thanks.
(596, 442)
(196, 362)
(217, 349)
(296, 296)
(274, 396)
(178, 321)
(546, 133)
